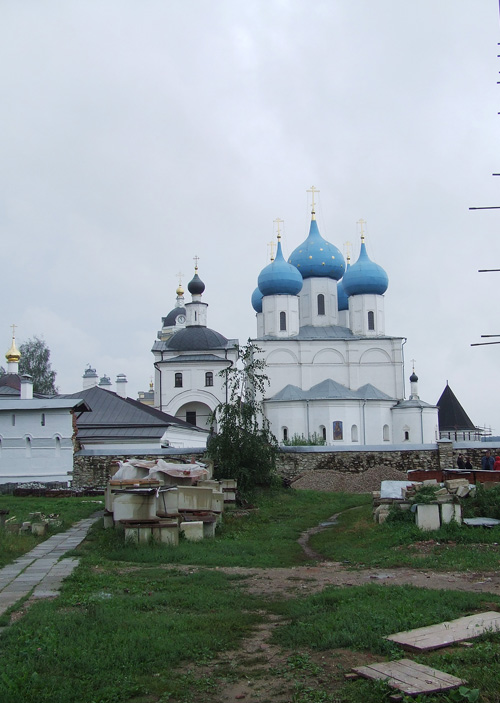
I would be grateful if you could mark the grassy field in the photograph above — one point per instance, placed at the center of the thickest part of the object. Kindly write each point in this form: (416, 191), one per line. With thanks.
(358, 541)
(137, 625)
(67, 510)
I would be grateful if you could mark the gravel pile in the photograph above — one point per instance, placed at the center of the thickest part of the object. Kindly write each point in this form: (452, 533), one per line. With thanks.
(364, 482)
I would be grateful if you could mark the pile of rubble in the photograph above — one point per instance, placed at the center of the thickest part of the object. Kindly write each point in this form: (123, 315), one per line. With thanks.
(441, 504)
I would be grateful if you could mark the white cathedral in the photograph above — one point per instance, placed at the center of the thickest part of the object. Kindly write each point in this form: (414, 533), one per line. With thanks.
(334, 373)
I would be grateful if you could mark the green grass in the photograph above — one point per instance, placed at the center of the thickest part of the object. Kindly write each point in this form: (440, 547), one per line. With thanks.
(117, 633)
(358, 541)
(266, 537)
(70, 510)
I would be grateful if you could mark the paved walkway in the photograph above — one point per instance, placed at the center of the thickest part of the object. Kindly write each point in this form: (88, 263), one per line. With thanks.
(42, 570)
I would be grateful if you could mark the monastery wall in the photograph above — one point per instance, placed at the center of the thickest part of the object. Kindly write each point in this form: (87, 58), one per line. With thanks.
(316, 468)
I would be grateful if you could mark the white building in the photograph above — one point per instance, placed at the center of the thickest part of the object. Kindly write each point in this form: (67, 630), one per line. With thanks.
(188, 357)
(334, 372)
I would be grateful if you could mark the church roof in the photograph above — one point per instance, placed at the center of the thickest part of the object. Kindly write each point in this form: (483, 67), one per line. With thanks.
(330, 390)
(10, 385)
(413, 403)
(203, 358)
(316, 257)
(279, 277)
(194, 338)
(114, 417)
(451, 415)
(365, 276)
(169, 320)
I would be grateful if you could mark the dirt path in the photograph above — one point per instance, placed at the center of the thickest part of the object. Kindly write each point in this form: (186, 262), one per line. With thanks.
(260, 672)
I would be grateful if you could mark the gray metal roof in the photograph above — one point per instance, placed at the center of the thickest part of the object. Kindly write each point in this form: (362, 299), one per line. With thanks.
(119, 418)
(43, 404)
(194, 338)
(330, 390)
(413, 404)
(327, 332)
(202, 358)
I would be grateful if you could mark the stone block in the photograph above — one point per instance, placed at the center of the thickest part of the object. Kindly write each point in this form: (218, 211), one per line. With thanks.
(166, 533)
(428, 517)
(430, 482)
(193, 531)
(442, 491)
(193, 498)
(168, 501)
(463, 491)
(453, 483)
(39, 528)
(133, 506)
(448, 498)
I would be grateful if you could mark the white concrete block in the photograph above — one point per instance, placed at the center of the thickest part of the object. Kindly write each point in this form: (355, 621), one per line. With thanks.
(428, 517)
(193, 531)
(130, 506)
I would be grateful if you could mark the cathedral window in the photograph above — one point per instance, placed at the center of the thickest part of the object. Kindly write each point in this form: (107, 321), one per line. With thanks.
(354, 433)
(285, 434)
(321, 304)
(209, 378)
(28, 446)
(282, 321)
(385, 433)
(322, 431)
(42, 420)
(178, 380)
(371, 320)
(407, 435)
(58, 445)
(338, 432)
(191, 417)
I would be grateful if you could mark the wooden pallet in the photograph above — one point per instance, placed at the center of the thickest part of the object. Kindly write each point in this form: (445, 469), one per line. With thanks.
(424, 639)
(410, 677)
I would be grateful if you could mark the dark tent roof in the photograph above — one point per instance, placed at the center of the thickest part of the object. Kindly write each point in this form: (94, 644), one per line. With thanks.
(114, 417)
(451, 415)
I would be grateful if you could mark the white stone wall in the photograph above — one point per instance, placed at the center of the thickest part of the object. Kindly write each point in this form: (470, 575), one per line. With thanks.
(31, 451)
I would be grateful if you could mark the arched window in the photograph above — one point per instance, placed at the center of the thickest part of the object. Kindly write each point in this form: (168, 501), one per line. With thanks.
(321, 304)
(322, 432)
(371, 320)
(385, 433)
(13, 420)
(209, 378)
(58, 445)
(407, 435)
(285, 434)
(354, 433)
(178, 380)
(42, 420)
(338, 432)
(282, 321)
(28, 446)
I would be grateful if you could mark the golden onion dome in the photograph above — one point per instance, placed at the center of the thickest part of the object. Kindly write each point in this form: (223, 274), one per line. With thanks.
(13, 355)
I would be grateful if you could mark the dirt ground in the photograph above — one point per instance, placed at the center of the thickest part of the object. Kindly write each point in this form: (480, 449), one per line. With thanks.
(260, 672)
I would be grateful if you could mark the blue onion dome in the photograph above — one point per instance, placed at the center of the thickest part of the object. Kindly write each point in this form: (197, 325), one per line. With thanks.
(257, 300)
(414, 377)
(279, 277)
(365, 276)
(342, 297)
(196, 285)
(318, 258)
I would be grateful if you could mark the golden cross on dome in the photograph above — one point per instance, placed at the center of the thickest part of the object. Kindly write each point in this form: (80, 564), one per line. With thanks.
(13, 330)
(313, 190)
(361, 223)
(179, 276)
(278, 221)
(271, 246)
(196, 259)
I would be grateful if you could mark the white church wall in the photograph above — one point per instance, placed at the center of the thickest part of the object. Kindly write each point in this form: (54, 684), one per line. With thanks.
(308, 296)
(366, 315)
(281, 311)
(420, 424)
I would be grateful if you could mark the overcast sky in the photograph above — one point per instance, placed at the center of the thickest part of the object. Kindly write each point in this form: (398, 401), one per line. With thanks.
(136, 135)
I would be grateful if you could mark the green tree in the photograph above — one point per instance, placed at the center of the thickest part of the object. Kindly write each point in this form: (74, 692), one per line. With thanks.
(35, 361)
(244, 447)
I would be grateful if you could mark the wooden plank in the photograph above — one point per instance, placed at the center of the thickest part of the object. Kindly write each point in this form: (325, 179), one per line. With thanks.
(424, 639)
(410, 677)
